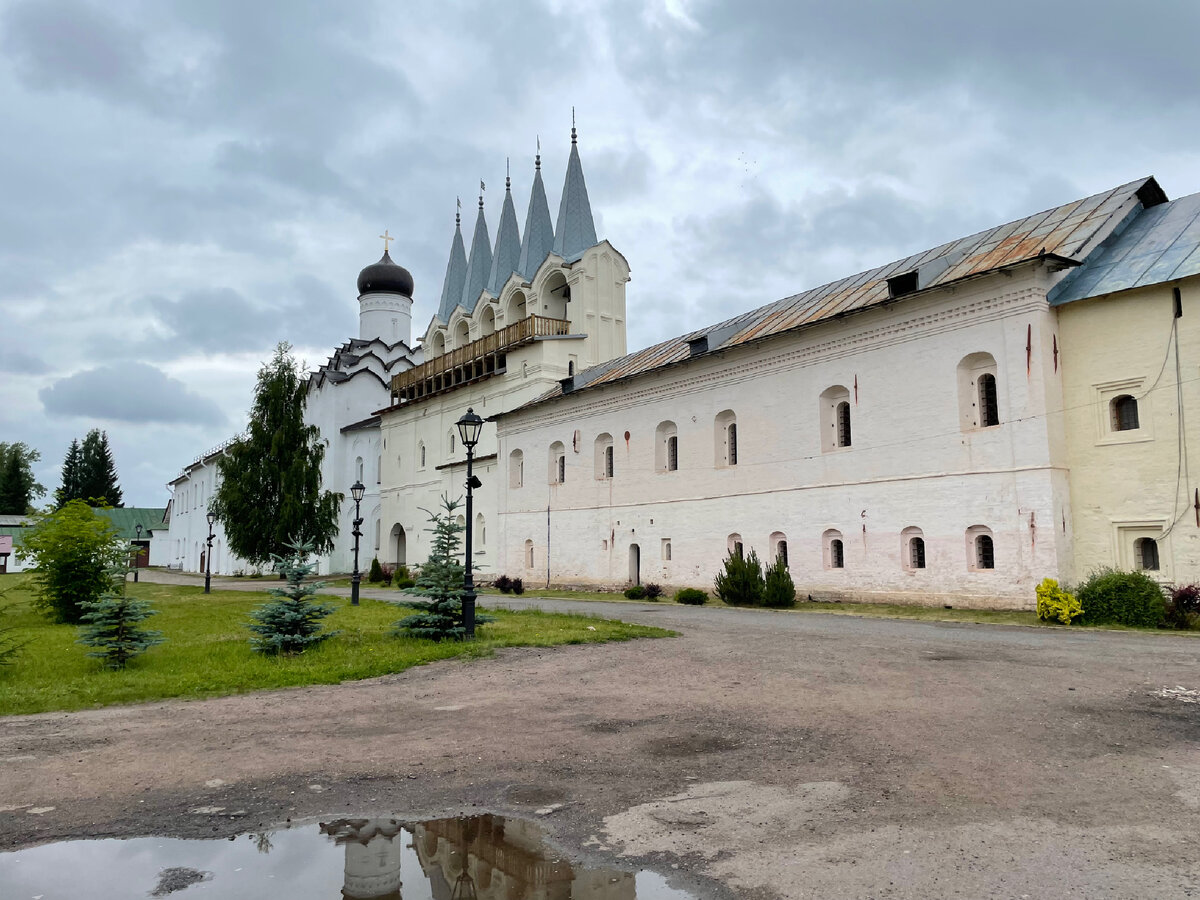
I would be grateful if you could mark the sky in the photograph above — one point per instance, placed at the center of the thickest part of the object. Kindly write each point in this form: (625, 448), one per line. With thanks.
(185, 183)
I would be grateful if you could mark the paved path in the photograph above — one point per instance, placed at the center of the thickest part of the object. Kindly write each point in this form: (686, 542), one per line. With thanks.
(759, 754)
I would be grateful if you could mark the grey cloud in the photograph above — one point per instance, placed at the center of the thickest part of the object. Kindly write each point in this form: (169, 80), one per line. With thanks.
(17, 362)
(132, 393)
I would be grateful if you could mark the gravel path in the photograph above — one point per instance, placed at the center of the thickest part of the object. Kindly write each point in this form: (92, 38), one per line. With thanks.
(759, 754)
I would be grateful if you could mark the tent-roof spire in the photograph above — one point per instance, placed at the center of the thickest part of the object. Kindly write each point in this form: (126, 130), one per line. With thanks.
(456, 270)
(575, 231)
(539, 232)
(479, 264)
(507, 257)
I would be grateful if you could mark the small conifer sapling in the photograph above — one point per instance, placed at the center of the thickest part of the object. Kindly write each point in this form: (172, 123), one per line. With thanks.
(291, 622)
(112, 624)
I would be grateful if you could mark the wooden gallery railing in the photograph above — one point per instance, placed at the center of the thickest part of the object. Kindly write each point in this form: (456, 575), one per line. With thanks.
(478, 359)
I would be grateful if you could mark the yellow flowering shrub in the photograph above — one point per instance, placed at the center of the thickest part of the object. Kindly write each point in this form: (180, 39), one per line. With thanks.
(1055, 603)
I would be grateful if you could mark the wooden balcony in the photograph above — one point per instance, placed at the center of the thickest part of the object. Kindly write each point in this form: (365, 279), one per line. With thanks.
(473, 362)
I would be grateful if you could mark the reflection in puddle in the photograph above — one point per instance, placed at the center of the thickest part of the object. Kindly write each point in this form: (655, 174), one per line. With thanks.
(482, 857)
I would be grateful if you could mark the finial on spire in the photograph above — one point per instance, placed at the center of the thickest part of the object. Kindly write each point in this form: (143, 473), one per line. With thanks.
(482, 188)
(572, 125)
(386, 238)
(458, 212)
(507, 173)
(537, 160)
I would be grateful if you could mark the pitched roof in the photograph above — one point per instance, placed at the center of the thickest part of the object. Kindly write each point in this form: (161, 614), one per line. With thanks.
(507, 256)
(1066, 233)
(479, 264)
(539, 233)
(575, 231)
(456, 274)
(1161, 244)
(127, 518)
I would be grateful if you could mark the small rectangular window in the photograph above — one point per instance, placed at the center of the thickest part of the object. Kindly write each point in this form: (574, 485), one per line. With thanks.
(666, 548)
(562, 469)
(917, 552)
(672, 453)
(733, 444)
(608, 462)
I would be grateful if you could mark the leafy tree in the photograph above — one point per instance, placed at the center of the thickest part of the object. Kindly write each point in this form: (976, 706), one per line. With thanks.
(98, 472)
(113, 624)
(73, 550)
(270, 489)
(18, 487)
(441, 580)
(291, 623)
(71, 485)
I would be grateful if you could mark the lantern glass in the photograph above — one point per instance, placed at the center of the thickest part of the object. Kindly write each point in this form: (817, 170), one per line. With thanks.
(357, 490)
(469, 427)
(211, 517)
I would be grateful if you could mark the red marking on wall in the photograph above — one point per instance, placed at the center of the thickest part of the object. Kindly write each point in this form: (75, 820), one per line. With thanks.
(627, 440)
(1028, 350)
(1056, 353)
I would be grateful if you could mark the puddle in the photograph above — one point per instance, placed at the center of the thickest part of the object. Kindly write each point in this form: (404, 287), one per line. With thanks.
(365, 859)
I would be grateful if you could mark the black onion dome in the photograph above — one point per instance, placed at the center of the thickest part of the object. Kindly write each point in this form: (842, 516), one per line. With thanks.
(385, 277)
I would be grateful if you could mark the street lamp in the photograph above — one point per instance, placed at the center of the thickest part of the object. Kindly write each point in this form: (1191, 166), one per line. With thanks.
(137, 559)
(469, 427)
(211, 517)
(356, 491)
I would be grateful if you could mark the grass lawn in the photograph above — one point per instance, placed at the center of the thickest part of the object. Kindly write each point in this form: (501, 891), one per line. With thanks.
(208, 653)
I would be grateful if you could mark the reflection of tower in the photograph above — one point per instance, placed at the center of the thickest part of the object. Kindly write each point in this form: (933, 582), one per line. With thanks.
(373, 849)
(505, 859)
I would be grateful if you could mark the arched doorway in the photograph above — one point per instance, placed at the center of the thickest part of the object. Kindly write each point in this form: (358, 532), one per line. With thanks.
(635, 563)
(400, 544)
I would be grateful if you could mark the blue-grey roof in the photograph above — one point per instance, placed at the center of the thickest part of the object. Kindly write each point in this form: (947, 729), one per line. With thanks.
(539, 233)
(479, 265)
(575, 231)
(507, 258)
(456, 275)
(1161, 244)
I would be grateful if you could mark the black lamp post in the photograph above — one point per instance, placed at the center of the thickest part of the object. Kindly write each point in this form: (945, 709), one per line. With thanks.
(356, 491)
(211, 517)
(469, 427)
(137, 558)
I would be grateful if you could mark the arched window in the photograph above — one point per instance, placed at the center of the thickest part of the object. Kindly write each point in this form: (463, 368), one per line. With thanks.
(529, 554)
(981, 548)
(666, 549)
(835, 418)
(516, 308)
(516, 469)
(978, 399)
(487, 321)
(358, 469)
(439, 343)
(833, 550)
(480, 534)
(451, 437)
(666, 447)
(421, 453)
(376, 535)
(735, 546)
(558, 463)
(462, 333)
(1124, 410)
(1145, 554)
(912, 548)
(726, 438)
(779, 547)
(603, 456)
(379, 469)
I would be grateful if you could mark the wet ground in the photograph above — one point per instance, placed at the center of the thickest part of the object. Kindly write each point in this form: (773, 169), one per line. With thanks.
(760, 754)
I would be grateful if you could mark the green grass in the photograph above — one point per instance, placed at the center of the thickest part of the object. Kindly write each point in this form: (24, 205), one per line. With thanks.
(207, 653)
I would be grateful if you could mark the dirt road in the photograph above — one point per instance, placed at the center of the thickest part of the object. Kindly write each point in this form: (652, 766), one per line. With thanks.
(759, 754)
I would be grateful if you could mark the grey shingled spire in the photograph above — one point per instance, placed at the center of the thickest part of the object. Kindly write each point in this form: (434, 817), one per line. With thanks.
(456, 273)
(575, 231)
(479, 265)
(539, 233)
(507, 257)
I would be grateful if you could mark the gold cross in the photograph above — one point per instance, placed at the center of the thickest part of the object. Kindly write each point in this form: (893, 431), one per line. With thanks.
(385, 237)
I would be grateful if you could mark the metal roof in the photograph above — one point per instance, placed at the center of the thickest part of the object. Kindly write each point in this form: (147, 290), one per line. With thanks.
(576, 230)
(126, 519)
(1161, 244)
(1066, 233)
(456, 274)
(538, 241)
(506, 258)
(479, 264)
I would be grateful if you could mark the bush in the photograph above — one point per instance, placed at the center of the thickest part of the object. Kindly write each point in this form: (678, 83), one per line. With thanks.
(112, 625)
(403, 584)
(691, 596)
(741, 584)
(375, 575)
(778, 589)
(503, 584)
(1183, 609)
(74, 549)
(518, 586)
(1126, 598)
(9, 646)
(291, 623)
(653, 591)
(637, 592)
(402, 573)
(1056, 604)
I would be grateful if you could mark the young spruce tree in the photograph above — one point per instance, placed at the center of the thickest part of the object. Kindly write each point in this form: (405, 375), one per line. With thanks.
(441, 580)
(113, 624)
(291, 623)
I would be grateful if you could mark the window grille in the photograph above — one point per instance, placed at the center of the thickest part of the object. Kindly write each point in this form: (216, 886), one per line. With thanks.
(562, 469)
(1124, 413)
(1145, 551)
(781, 552)
(672, 453)
(916, 553)
(843, 424)
(608, 461)
(985, 552)
(732, 437)
(837, 557)
(989, 410)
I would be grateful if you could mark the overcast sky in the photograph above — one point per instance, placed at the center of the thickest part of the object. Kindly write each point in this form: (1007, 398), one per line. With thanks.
(187, 182)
